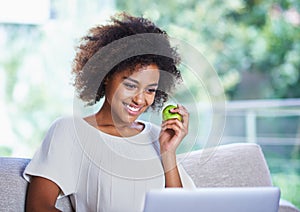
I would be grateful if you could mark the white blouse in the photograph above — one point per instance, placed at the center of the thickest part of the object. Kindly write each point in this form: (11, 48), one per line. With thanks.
(99, 171)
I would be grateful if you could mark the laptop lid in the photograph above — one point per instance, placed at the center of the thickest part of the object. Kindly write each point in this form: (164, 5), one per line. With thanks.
(229, 199)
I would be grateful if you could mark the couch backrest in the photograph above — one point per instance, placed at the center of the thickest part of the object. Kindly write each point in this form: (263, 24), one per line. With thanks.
(231, 165)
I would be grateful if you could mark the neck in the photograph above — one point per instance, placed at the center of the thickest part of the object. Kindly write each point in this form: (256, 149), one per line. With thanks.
(104, 121)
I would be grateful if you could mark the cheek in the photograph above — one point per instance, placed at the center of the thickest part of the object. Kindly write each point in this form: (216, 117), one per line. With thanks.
(122, 94)
(150, 99)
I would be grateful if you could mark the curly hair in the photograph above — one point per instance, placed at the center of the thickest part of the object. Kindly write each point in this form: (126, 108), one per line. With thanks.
(106, 45)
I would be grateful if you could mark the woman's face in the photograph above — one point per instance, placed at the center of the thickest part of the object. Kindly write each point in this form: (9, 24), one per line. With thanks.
(129, 93)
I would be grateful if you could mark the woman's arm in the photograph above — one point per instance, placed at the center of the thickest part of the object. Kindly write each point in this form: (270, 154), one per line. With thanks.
(172, 133)
(41, 195)
(172, 177)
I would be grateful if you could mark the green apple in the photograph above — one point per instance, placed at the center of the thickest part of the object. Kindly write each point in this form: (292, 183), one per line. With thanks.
(167, 114)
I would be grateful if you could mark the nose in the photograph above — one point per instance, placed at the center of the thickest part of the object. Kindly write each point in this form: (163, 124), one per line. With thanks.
(139, 98)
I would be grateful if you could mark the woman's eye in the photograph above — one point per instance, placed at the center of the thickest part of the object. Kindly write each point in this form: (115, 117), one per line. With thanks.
(151, 90)
(130, 86)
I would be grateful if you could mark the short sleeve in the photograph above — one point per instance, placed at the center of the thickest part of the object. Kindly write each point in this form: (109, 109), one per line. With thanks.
(55, 157)
(186, 180)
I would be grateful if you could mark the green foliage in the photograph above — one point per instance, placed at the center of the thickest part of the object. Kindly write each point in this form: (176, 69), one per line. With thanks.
(261, 37)
(5, 151)
(30, 103)
(283, 161)
(289, 184)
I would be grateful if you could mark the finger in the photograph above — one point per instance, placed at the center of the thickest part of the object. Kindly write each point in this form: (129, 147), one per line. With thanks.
(180, 110)
(172, 122)
(183, 112)
(176, 127)
(169, 123)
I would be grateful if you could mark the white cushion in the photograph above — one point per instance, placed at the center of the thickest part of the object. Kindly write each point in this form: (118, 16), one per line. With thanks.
(231, 165)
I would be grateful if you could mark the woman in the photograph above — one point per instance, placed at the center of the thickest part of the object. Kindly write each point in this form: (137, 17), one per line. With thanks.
(109, 160)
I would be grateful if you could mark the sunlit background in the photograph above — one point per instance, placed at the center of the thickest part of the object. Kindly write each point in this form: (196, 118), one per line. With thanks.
(254, 46)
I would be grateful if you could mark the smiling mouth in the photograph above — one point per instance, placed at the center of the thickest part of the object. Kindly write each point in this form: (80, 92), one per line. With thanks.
(132, 108)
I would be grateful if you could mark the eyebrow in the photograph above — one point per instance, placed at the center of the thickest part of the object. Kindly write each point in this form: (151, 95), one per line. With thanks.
(137, 82)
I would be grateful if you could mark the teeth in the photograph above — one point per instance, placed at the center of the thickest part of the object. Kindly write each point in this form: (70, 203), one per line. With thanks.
(134, 109)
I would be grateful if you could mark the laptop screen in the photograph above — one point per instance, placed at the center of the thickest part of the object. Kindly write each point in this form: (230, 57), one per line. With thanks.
(229, 199)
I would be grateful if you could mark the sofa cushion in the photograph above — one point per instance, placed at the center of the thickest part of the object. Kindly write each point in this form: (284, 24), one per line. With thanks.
(231, 165)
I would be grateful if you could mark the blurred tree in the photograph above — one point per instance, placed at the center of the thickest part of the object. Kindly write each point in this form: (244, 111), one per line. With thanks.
(23, 99)
(35, 77)
(254, 45)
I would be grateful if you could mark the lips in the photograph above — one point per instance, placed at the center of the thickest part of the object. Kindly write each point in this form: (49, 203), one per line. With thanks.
(132, 109)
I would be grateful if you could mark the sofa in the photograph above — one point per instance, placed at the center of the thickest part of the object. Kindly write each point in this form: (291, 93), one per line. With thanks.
(230, 165)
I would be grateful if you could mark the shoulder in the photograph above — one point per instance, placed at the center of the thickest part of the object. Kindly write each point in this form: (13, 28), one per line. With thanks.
(66, 122)
(62, 128)
(61, 136)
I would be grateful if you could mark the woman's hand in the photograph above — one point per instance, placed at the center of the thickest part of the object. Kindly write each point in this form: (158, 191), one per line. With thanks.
(173, 131)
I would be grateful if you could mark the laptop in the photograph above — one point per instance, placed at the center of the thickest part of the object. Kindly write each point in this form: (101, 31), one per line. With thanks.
(228, 199)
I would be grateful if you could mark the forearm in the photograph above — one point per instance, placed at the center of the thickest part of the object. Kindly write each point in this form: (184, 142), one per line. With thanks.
(172, 177)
